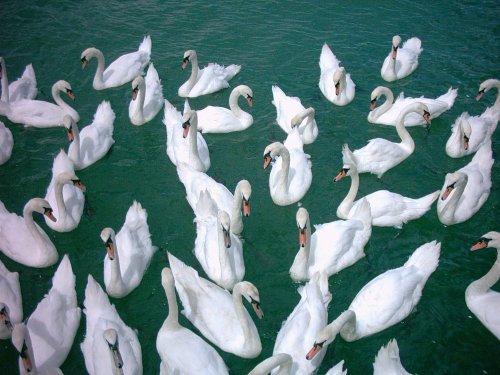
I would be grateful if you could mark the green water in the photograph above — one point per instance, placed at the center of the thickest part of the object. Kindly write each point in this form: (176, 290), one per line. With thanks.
(275, 43)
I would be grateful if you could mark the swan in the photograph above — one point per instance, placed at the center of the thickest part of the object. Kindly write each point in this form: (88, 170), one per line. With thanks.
(388, 112)
(110, 346)
(401, 61)
(387, 360)
(42, 114)
(483, 301)
(236, 205)
(218, 315)
(22, 240)
(308, 317)
(465, 190)
(337, 369)
(50, 330)
(291, 113)
(122, 70)
(147, 97)
(335, 84)
(6, 143)
(211, 78)
(181, 350)
(128, 254)
(384, 301)
(95, 139)
(468, 133)
(282, 362)
(25, 87)
(485, 86)
(388, 209)
(334, 245)
(291, 174)
(380, 154)
(11, 302)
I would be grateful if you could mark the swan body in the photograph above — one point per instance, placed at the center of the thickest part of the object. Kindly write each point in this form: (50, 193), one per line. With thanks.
(335, 84)
(211, 78)
(147, 97)
(387, 361)
(465, 190)
(104, 323)
(42, 114)
(388, 112)
(380, 154)
(181, 350)
(11, 302)
(401, 61)
(122, 70)
(388, 209)
(6, 143)
(235, 205)
(291, 113)
(483, 301)
(22, 240)
(281, 363)
(333, 246)
(485, 86)
(94, 140)
(337, 369)
(219, 315)
(291, 173)
(22, 88)
(128, 254)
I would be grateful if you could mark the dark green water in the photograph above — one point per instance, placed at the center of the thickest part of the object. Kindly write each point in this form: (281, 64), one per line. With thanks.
(276, 43)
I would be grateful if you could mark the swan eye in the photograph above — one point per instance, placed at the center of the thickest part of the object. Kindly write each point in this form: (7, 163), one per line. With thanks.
(185, 60)
(481, 92)
(484, 240)
(466, 138)
(451, 186)
(255, 302)
(47, 210)
(76, 182)
(185, 124)
(373, 101)
(109, 242)
(24, 351)
(83, 59)
(69, 92)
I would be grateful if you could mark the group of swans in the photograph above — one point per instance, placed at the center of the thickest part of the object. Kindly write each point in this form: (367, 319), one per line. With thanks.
(147, 97)
(11, 302)
(25, 87)
(401, 61)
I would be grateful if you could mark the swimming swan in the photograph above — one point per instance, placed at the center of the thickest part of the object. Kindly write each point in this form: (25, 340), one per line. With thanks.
(485, 86)
(22, 88)
(147, 97)
(6, 143)
(11, 302)
(282, 362)
(401, 61)
(387, 360)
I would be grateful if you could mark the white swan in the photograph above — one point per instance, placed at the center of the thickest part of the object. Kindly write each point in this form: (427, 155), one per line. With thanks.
(388, 209)
(291, 113)
(43, 114)
(180, 349)
(465, 190)
(380, 154)
(387, 360)
(218, 315)
(110, 346)
(337, 369)
(22, 240)
(6, 143)
(51, 329)
(308, 317)
(211, 78)
(11, 302)
(291, 173)
(485, 86)
(128, 254)
(147, 97)
(335, 84)
(94, 140)
(236, 205)
(388, 112)
(22, 88)
(122, 70)
(401, 61)
(384, 301)
(333, 246)
(282, 362)
(483, 301)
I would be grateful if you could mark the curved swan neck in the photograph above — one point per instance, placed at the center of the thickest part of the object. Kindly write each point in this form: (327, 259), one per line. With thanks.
(173, 309)
(75, 150)
(5, 83)
(56, 94)
(193, 137)
(484, 283)
(194, 71)
(139, 109)
(386, 105)
(236, 220)
(346, 205)
(240, 310)
(285, 167)
(61, 206)
(403, 133)
(448, 210)
(115, 274)
(281, 360)
(345, 324)
(234, 106)
(98, 76)
(223, 256)
(30, 223)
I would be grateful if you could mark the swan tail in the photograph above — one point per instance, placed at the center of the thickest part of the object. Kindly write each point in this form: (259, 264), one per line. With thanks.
(414, 44)
(64, 278)
(104, 117)
(146, 44)
(231, 71)
(95, 297)
(425, 258)
(278, 94)
(206, 206)
(327, 60)
(62, 163)
(388, 358)
(183, 275)
(418, 207)
(30, 78)
(449, 97)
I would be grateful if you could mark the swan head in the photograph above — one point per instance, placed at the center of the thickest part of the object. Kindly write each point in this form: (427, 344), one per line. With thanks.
(490, 239)
(486, 86)
(271, 152)
(349, 167)
(87, 55)
(323, 338)
(375, 95)
(245, 91)
(137, 84)
(338, 75)
(302, 218)
(299, 117)
(111, 337)
(251, 294)
(19, 339)
(466, 131)
(396, 41)
(107, 236)
(5, 316)
(64, 86)
(69, 124)
(189, 118)
(41, 206)
(188, 56)
(225, 225)
(245, 190)
(451, 182)
(70, 178)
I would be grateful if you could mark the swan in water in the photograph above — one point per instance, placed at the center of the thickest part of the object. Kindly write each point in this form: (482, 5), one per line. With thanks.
(147, 97)
(22, 240)
(388, 112)
(42, 114)
(219, 315)
(94, 140)
(483, 301)
(401, 61)
(337, 369)
(333, 246)
(291, 113)
(110, 346)
(11, 302)
(335, 84)
(380, 154)
(6, 143)
(387, 360)
(128, 254)
(236, 205)
(22, 88)
(45, 340)
(385, 301)
(291, 174)
(211, 78)
(282, 362)
(388, 209)
(465, 190)
(122, 70)
(485, 86)
(180, 349)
